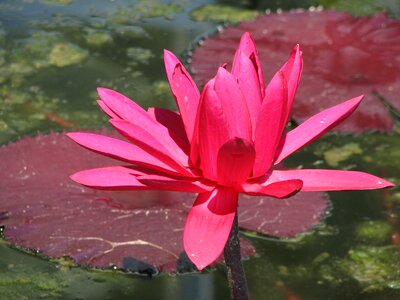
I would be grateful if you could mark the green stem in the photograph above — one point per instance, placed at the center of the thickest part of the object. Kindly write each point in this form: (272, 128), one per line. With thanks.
(233, 260)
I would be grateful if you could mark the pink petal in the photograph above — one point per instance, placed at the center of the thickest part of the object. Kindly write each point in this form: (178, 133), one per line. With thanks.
(233, 105)
(270, 124)
(129, 111)
(158, 182)
(119, 149)
(248, 47)
(150, 144)
(110, 178)
(212, 131)
(292, 70)
(315, 126)
(123, 107)
(235, 162)
(249, 84)
(173, 122)
(332, 180)
(107, 110)
(208, 225)
(278, 189)
(184, 89)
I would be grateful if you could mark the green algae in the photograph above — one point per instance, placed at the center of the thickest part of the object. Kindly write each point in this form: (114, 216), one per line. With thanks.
(365, 268)
(22, 282)
(336, 155)
(138, 55)
(395, 197)
(161, 88)
(371, 151)
(66, 54)
(41, 50)
(364, 7)
(58, 2)
(374, 268)
(95, 38)
(128, 31)
(223, 13)
(146, 9)
(373, 232)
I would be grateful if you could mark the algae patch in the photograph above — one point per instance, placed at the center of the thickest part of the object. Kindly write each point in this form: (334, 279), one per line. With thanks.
(223, 13)
(66, 54)
(373, 232)
(147, 9)
(138, 55)
(336, 155)
(58, 2)
(95, 38)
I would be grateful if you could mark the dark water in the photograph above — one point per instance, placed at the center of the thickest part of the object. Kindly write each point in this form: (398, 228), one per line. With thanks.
(119, 44)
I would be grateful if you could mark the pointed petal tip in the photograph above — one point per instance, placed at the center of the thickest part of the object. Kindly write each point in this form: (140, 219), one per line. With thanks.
(246, 36)
(73, 135)
(76, 177)
(222, 74)
(170, 61)
(353, 102)
(101, 90)
(105, 92)
(385, 184)
(168, 54)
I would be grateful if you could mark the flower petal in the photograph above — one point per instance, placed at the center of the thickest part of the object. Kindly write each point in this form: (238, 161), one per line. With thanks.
(292, 70)
(315, 126)
(208, 225)
(278, 189)
(173, 122)
(233, 105)
(247, 77)
(113, 178)
(107, 110)
(331, 180)
(123, 107)
(150, 144)
(159, 182)
(184, 89)
(248, 47)
(120, 150)
(212, 131)
(235, 161)
(128, 110)
(270, 124)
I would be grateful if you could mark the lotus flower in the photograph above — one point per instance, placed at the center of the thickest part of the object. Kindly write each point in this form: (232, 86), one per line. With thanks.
(227, 140)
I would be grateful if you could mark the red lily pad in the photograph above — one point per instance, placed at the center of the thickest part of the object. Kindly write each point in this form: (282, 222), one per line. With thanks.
(139, 231)
(344, 56)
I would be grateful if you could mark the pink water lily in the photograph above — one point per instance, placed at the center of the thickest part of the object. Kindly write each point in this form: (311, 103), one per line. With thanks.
(227, 140)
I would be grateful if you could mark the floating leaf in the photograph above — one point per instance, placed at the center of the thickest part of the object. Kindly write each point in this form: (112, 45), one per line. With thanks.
(46, 211)
(284, 217)
(42, 209)
(344, 56)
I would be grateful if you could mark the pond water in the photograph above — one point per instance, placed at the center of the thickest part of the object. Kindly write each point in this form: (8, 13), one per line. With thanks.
(53, 55)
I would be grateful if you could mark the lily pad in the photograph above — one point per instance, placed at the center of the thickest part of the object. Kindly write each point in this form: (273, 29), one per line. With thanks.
(282, 218)
(42, 209)
(344, 56)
